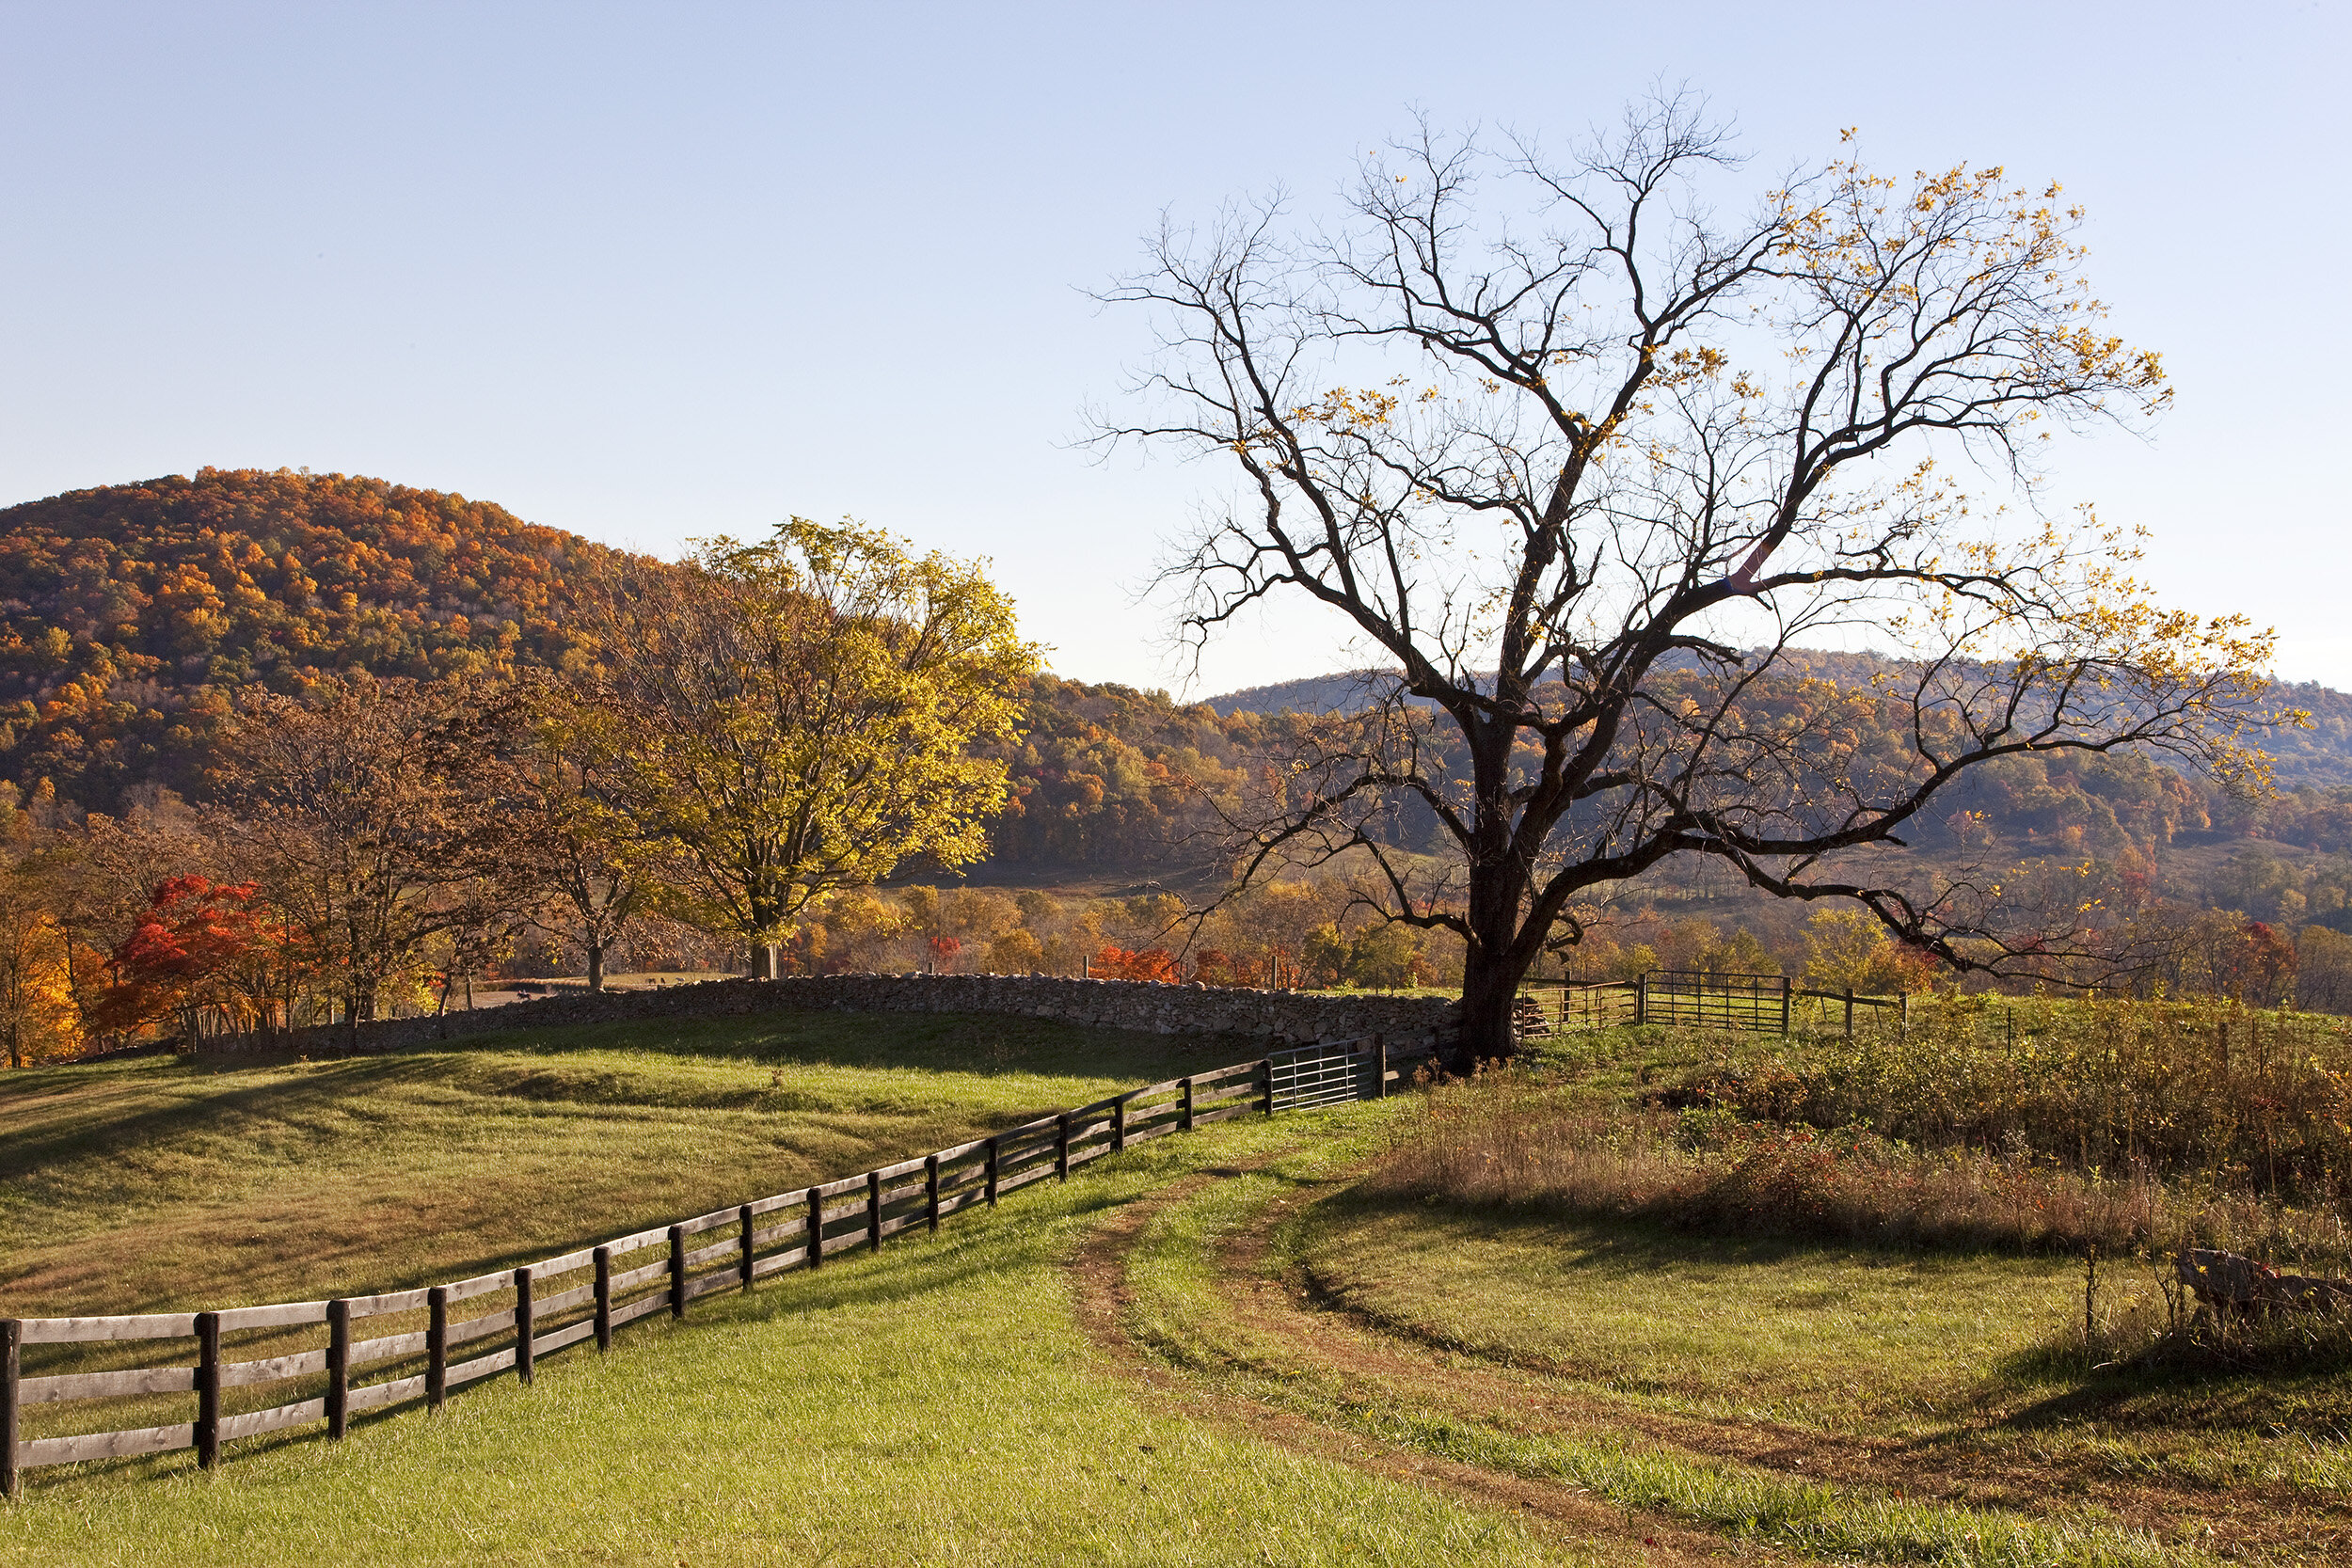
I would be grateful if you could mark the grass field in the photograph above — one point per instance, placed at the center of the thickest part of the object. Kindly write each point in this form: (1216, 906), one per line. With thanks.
(174, 1182)
(1213, 1349)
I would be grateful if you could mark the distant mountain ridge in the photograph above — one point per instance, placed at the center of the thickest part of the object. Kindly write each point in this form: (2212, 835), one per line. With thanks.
(2319, 757)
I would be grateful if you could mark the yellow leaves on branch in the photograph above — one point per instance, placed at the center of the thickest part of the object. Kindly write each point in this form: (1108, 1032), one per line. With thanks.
(798, 714)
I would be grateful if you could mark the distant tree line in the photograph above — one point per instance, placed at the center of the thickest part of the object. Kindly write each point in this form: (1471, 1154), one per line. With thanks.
(745, 732)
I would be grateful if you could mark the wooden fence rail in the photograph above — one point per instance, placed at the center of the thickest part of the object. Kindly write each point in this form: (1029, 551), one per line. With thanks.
(586, 1294)
(1753, 1001)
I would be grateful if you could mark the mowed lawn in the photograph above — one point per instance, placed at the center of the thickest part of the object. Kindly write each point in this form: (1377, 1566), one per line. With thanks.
(1844, 1339)
(178, 1183)
(933, 1403)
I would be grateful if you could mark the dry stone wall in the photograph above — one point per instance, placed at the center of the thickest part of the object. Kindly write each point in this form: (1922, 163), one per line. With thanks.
(1277, 1017)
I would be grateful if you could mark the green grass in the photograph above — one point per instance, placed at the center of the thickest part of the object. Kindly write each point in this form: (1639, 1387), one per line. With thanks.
(933, 1403)
(1180, 1310)
(171, 1184)
(1835, 1338)
(937, 1403)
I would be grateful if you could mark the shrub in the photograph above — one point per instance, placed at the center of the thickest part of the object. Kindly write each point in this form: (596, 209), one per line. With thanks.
(2241, 1099)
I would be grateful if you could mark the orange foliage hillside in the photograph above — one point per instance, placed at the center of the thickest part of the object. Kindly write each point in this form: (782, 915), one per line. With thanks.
(129, 615)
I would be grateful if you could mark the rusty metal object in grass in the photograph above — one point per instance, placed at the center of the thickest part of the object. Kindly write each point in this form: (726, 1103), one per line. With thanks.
(2228, 1282)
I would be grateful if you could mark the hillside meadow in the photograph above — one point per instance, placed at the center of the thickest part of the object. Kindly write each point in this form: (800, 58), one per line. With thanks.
(1222, 1347)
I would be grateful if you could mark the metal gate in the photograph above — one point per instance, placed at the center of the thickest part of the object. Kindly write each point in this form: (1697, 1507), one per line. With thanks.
(1337, 1072)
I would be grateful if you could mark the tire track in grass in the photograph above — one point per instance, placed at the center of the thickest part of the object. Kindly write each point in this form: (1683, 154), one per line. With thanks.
(1288, 1301)
(1395, 1405)
(1102, 1301)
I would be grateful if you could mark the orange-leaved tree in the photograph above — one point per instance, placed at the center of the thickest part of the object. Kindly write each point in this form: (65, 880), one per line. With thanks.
(1144, 963)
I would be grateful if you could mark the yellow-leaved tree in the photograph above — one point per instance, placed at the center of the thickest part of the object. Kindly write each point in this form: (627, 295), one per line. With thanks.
(38, 1018)
(1850, 950)
(780, 719)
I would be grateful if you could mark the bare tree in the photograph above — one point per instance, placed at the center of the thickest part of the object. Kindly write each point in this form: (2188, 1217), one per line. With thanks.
(368, 812)
(1587, 475)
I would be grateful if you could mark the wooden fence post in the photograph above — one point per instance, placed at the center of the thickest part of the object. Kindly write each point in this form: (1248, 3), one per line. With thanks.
(11, 1337)
(1266, 1084)
(873, 1210)
(1849, 1012)
(677, 1271)
(816, 1228)
(604, 1298)
(1183, 1112)
(1061, 1146)
(1783, 1004)
(744, 1269)
(1119, 1125)
(990, 1173)
(207, 1389)
(525, 1326)
(1641, 998)
(338, 1366)
(930, 1192)
(436, 1348)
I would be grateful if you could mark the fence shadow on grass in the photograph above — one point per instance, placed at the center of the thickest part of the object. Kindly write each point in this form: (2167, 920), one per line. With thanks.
(729, 1248)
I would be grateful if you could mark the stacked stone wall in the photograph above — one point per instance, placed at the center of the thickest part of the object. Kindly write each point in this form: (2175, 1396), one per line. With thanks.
(1277, 1017)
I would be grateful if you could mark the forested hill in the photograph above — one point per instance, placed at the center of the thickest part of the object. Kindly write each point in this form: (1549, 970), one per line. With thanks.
(132, 612)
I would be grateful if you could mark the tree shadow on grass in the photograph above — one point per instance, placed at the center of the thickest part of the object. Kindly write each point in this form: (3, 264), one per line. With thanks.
(2180, 1385)
(983, 1043)
(226, 1090)
(1638, 1247)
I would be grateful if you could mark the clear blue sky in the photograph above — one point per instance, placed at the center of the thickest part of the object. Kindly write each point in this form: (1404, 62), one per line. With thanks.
(653, 272)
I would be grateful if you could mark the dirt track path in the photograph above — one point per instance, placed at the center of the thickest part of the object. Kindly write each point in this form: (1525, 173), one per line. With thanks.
(1102, 1301)
(1291, 1310)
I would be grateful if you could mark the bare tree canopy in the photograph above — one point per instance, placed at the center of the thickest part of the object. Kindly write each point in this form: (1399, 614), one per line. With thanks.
(1586, 461)
(369, 812)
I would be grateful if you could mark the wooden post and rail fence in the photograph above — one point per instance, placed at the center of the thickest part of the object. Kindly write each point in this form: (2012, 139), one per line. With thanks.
(1691, 998)
(584, 1295)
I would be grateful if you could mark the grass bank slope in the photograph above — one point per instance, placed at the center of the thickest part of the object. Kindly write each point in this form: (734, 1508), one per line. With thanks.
(172, 1183)
(932, 1404)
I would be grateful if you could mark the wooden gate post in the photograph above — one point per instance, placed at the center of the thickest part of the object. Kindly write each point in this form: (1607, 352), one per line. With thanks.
(525, 1326)
(1266, 1084)
(604, 1298)
(1380, 1066)
(677, 1271)
(11, 1337)
(1641, 998)
(338, 1366)
(207, 1389)
(436, 1348)
(1783, 1004)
